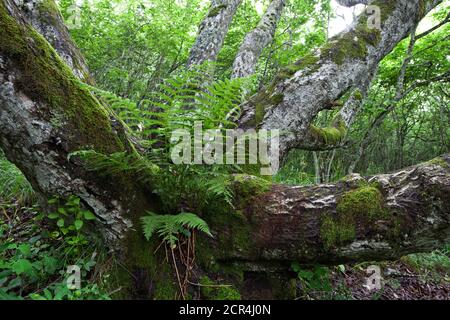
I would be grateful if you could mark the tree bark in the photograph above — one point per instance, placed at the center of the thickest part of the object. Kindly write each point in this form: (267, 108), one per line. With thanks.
(357, 219)
(315, 82)
(257, 39)
(212, 31)
(46, 18)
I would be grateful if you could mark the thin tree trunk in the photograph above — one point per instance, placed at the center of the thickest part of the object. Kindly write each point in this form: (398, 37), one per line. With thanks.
(257, 40)
(212, 31)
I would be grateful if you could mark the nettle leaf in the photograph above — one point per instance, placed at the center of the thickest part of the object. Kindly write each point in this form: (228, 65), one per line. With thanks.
(89, 215)
(78, 224)
(51, 264)
(60, 223)
(22, 266)
(25, 249)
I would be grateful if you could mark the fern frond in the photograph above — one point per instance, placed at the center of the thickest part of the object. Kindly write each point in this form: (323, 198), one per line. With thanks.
(170, 227)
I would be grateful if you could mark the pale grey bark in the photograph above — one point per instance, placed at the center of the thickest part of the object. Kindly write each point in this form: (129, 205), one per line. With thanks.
(212, 31)
(293, 101)
(46, 18)
(287, 223)
(351, 3)
(257, 39)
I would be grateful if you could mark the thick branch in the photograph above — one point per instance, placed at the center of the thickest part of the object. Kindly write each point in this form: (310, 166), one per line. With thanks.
(257, 39)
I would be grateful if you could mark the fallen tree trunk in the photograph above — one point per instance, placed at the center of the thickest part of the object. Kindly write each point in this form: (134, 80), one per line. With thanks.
(357, 219)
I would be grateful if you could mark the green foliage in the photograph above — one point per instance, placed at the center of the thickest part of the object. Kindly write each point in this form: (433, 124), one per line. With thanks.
(34, 260)
(118, 163)
(70, 219)
(170, 227)
(431, 265)
(317, 279)
(13, 184)
(213, 291)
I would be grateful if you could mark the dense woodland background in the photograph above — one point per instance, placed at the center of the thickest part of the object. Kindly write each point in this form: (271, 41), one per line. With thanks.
(133, 48)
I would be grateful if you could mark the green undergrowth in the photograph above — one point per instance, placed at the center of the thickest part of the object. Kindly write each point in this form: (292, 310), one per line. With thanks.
(37, 251)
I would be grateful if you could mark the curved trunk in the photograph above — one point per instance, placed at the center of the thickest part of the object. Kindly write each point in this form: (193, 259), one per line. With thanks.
(317, 81)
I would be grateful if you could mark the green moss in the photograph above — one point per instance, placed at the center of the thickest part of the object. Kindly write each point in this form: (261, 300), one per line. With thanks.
(366, 201)
(166, 290)
(358, 95)
(45, 78)
(386, 8)
(309, 62)
(329, 135)
(49, 11)
(439, 161)
(235, 229)
(422, 8)
(283, 288)
(212, 291)
(352, 44)
(362, 206)
(263, 100)
(335, 233)
(248, 187)
(214, 11)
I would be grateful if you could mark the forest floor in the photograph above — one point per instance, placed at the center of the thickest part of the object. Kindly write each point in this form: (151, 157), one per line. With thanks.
(414, 277)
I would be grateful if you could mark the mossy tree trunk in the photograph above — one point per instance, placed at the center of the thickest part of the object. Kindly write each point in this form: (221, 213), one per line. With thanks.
(356, 219)
(46, 114)
(45, 17)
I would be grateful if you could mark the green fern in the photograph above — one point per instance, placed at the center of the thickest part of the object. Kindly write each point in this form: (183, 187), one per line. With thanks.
(118, 163)
(170, 227)
(13, 184)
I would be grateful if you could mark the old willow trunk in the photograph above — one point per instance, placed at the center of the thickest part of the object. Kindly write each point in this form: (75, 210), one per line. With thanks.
(46, 114)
